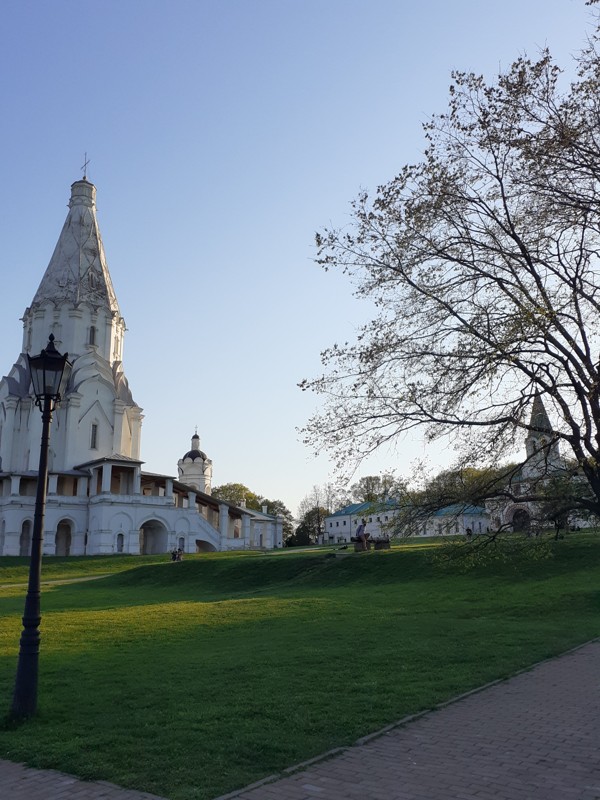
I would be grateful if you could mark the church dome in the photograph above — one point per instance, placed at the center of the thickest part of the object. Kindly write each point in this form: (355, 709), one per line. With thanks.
(195, 452)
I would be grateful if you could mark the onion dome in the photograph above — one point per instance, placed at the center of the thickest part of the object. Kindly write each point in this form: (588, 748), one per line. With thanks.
(195, 451)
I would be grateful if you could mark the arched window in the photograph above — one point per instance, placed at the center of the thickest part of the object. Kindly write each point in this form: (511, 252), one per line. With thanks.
(25, 539)
(94, 436)
(120, 542)
(92, 337)
(63, 538)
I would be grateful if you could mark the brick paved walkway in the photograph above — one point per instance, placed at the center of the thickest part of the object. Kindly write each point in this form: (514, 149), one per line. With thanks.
(533, 737)
(21, 783)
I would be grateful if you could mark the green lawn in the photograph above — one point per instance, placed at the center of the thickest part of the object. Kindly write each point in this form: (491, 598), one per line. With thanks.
(189, 680)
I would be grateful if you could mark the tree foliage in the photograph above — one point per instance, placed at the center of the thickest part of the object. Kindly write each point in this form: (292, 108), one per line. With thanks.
(241, 495)
(376, 488)
(309, 528)
(238, 494)
(482, 260)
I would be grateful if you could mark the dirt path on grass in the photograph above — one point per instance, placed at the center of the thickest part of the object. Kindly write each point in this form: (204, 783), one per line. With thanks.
(58, 581)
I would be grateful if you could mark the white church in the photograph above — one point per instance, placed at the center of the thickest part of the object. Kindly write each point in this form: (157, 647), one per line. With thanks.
(100, 500)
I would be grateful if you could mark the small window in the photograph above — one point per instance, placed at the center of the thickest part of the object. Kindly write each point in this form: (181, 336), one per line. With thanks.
(92, 335)
(370, 519)
(337, 524)
(94, 437)
(344, 522)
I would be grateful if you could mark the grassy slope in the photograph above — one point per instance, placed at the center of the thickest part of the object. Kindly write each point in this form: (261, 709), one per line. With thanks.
(16, 570)
(190, 679)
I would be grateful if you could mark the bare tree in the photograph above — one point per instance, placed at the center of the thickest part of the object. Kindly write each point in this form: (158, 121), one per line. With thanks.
(483, 263)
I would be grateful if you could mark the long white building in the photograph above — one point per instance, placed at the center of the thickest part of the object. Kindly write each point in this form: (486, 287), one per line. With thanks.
(99, 498)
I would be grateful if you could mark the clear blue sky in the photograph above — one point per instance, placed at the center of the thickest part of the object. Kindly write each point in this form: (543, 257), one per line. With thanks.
(222, 134)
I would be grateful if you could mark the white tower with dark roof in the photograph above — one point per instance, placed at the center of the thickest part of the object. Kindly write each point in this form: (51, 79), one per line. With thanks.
(195, 468)
(76, 302)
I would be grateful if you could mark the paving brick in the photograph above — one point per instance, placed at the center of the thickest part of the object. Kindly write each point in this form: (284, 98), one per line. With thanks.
(533, 737)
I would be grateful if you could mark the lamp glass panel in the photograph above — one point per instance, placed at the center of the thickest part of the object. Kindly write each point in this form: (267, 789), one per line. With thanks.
(46, 374)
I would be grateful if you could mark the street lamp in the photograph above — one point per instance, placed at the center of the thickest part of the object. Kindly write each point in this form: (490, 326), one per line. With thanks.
(50, 374)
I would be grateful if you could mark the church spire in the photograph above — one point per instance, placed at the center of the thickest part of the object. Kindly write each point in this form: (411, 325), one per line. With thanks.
(541, 445)
(539, 418)
(77, 272)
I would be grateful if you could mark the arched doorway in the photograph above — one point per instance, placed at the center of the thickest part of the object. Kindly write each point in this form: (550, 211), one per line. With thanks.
(153, 538)
(25, 539)
(120, 542)
(521, 521)
(63, 538)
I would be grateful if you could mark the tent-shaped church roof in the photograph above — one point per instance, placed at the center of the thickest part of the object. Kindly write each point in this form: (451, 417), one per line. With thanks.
(539, 418)
(77, 271)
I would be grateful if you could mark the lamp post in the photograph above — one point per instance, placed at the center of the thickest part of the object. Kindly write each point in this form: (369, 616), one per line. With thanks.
(50, 374)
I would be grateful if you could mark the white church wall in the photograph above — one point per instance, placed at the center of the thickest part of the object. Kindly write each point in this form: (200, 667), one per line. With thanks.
(97, 418)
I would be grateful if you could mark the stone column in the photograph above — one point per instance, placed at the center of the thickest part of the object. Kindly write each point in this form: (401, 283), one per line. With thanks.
(246, 529)
(71, 424)
(119, 409)
(278, 532)
(93, 482)
(106, 478)
(49, 542)
(223, 520)
(134, 542)
(136, 417)
(8, 432)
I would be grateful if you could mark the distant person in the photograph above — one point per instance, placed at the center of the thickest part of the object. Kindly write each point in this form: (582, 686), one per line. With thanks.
(361, 533)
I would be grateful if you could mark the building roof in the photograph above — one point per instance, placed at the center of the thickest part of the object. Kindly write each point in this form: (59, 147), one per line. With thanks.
(365, 508)
(459, 508)
(115, 457)
(360, 509)
(77, 271)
